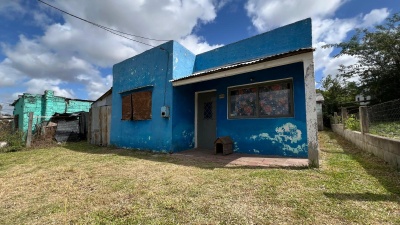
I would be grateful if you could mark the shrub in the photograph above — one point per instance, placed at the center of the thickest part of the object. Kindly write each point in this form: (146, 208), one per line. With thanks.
(352, 123)
(14, 141)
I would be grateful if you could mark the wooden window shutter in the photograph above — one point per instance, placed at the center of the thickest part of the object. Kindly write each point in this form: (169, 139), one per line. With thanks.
(126, 107)
(141, 102)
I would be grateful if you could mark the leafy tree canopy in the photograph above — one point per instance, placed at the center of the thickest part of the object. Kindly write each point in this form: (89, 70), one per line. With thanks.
(378, 54)
(337, 93)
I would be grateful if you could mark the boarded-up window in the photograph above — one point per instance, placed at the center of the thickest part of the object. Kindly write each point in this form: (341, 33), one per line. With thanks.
(127, 107)
(141, 104)
(137, 106)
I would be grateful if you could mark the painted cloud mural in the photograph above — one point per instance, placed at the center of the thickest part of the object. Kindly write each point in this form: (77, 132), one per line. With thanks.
(286, 135)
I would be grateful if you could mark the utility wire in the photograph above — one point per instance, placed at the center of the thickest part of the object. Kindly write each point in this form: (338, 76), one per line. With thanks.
(113, 31)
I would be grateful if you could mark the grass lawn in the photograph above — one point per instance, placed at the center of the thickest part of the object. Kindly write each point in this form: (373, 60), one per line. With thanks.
(388, 129)
(82, 184)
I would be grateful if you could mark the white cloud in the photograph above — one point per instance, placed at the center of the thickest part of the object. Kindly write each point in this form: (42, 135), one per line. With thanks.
(95, 87)
(9, 76)
(75, 52)
(375, 17)
(332, 65)
(269, 14)
(89, 43)
(329, 31)
(34, 59)
(197, 44)
(332, 30)
(11, 8)
(41, 19)
(38, 86)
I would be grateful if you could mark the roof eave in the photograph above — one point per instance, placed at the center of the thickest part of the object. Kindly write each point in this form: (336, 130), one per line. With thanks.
(238, 66)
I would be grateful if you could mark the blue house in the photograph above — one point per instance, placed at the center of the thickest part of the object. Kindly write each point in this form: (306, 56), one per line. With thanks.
(259, 91)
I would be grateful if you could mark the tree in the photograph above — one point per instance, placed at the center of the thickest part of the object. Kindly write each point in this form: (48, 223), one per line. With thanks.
(378, 54)
(337, 92)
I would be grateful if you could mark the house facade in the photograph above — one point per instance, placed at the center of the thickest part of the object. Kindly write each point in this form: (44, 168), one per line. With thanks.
(259, 91)
(44, 107)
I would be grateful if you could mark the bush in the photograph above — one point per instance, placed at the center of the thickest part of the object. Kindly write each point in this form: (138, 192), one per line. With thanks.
(14, 141)
(338, 119)
(352, 123)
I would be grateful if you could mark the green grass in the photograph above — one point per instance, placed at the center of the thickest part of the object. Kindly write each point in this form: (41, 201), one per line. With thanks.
(82, 184)
(389, 129)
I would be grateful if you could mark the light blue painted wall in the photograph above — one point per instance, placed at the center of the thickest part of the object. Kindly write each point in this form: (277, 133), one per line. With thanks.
(256, 136)
(150, 70)
(280, 40)
(183, 61)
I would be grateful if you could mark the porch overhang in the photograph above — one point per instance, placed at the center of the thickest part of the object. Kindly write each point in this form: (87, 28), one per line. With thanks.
(246, 66)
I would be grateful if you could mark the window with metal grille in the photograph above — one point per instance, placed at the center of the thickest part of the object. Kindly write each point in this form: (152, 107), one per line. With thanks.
(208, 113)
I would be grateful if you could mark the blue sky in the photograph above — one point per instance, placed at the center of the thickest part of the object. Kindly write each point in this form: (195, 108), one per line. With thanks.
(42, 49)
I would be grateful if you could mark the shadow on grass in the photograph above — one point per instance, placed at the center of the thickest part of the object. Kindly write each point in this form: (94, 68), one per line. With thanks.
(204, 161)
(363, 197)
(387, 176)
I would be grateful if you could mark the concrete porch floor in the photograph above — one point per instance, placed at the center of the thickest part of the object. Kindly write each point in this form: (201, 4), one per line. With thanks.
(239, 159)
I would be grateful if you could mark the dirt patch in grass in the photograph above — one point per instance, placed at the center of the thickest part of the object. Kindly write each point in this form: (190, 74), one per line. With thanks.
(82, 184)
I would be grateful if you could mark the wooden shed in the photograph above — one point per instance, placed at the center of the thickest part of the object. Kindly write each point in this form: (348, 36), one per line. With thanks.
(223, 145)
(100, 120)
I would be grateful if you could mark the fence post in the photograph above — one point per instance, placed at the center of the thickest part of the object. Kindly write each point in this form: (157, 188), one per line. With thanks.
(335, 118)
(344, 117)
(364, 123)
(29, 134)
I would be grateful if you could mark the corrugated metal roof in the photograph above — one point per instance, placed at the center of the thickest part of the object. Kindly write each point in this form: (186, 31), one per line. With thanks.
(246, 63)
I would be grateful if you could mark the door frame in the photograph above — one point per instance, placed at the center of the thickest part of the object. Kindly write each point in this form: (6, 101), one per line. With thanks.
(196, 97)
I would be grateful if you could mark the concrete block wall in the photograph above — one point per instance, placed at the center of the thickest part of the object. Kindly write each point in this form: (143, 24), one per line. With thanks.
(56, 105)
(44, 106)
(384, 148)
(52, 104)
(32, 103)
(76, 106)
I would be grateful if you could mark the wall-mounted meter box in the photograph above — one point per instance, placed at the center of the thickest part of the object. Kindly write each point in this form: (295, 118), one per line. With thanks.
(165, 111)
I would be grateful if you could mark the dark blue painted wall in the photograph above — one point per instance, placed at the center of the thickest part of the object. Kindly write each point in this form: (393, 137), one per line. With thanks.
(280, 40)
(183, 126)
(268, 136)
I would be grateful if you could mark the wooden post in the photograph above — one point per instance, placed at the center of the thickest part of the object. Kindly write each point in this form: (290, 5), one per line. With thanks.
(29, 134)
(364, 123)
